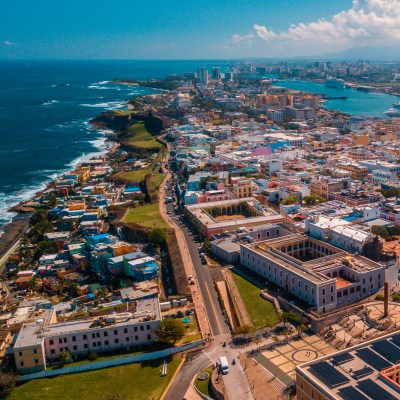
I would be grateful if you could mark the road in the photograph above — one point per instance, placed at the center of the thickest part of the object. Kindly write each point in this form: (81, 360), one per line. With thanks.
(235, 381)
(203, 274)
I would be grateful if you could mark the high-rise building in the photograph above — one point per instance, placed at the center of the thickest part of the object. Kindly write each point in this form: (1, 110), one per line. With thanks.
(229, 76)
(203, 75)
(216, 73)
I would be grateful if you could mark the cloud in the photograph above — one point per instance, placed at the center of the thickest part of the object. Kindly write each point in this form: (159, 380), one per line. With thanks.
(263, 33)
(245, 39)
(366, 22)
(8, 43)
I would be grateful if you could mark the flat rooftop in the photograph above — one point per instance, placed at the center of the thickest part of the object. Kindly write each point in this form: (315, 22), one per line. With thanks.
(355, 373)
(32, 333)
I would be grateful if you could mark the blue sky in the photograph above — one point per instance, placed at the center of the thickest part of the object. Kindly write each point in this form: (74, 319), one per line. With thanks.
(178, 29)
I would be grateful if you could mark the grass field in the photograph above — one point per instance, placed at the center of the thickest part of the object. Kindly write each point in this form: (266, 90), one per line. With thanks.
(136, 175)
(148, 215)
(258, 308)
(127, 382)
(138, 136)
(204, 386)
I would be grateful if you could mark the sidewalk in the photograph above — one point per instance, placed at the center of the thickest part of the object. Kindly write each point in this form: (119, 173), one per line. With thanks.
(187, 260)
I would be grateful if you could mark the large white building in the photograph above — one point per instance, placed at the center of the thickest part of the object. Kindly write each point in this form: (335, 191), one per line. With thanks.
(321, 275)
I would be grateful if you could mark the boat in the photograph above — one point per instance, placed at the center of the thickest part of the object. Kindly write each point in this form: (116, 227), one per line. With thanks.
(392, 112)
(397, 104)
(334, 82)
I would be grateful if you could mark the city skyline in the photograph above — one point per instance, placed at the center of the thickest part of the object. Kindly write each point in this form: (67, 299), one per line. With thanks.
(205, 30)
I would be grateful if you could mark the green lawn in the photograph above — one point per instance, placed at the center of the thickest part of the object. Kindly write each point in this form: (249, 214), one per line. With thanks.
(148, 215)
(138, 136)
(204, 386)
(258, 308)
(136, 175)
(127, 382)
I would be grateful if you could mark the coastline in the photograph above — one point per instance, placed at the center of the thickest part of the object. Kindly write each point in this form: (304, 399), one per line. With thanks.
(13, 230)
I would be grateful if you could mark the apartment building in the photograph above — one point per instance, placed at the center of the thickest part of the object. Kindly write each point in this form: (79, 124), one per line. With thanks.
(43, 339)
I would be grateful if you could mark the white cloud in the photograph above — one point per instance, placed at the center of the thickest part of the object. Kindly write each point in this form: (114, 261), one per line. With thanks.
(246, 39)
(366, 22)
(263, 33)
(8, 43)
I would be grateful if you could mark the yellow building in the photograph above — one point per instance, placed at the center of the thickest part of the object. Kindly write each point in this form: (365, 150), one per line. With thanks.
(357, 171)
(242, 188)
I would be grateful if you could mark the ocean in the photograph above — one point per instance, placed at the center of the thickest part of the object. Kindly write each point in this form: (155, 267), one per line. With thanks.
(45, 108)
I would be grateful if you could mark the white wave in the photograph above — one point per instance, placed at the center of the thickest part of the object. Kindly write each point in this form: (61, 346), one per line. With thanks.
(50, 102)
(103, 82)
(111, 105)
(7, 201)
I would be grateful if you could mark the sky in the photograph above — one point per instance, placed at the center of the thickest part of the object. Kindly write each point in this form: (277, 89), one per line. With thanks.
(191, 29)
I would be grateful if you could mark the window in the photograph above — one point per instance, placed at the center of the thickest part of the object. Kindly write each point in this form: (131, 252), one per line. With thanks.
(21, 363)
(339, 294)
(94, 344)
(323, 292)
(116, 341)
(115, 332)
(59, 340)
(127, 339)
(20, 353)
(135, 328)
(106, 342)
(331, 298)
(34, 351)
(125, 330)
(85, 346)
(136, 337)
(52, 351)
(148, 337)
(105, 333)
(148, 327)
(99, 344)
(75, 348)
(84, 337)
(74, 338)
(323, 301)
(141, 327)
(93, 335)
(65, 340)
(51, 342)
(98, 334)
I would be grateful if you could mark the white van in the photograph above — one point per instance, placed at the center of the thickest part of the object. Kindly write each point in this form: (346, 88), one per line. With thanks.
(223, 365)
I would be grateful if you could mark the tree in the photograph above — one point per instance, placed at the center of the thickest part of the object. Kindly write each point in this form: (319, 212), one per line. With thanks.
(206, 246)
(290, 200)
(289, 316)
(391, 192)
(170, 330)
(379, 231)
(65, 357)
(313, 199)
(245, 330)
(157, 236)
(374, 250)
(52, 200)
(7, 382)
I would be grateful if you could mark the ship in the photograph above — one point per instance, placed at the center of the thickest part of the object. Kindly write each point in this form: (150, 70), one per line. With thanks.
(334, 82)
(392, 112)
(396, 105)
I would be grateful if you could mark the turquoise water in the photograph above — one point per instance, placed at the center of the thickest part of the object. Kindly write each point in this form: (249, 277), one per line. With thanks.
(357, 103)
